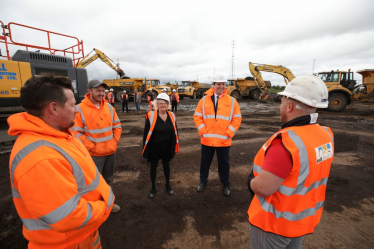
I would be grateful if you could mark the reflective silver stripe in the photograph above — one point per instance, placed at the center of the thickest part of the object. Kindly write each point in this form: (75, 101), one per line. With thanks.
(237, 116)
(65, 209)
(78, 135)
(216, 136)
(111, 110)
(152, 117)
(232, 128)
(116, 121)
(82, 116)
(176, 133)
(146, 142)
(303, 155)
(88, 216)
(223, 117)
(267, 207)
(332, 138)
(177, 141)
(97, 240)
(15, 193)
(203, 109)
(172, 113)
(200, 126)
(301, 190)
(117, 126)
(209, 116)
(34, 224)
(101, 139)
(257, 168)
(110, 199)
(102, 130)
(232, 108)
(76, 128)
(149, 133)
(198, 114)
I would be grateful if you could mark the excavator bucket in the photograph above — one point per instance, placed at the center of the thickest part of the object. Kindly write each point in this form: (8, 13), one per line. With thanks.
(265, 97)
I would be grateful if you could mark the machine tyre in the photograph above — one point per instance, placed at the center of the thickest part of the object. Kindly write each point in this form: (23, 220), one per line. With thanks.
(235, 95)
(337, 102)
(118, 96)
(255, 94)
(193, 95)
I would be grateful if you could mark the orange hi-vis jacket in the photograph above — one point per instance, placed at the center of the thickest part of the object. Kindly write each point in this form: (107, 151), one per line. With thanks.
(152, 117)
(106, 97)
(127, 97)
(111, 97)
(98, 129)
(58, 192)
(176, 97)
(295, 209)
(217, 131)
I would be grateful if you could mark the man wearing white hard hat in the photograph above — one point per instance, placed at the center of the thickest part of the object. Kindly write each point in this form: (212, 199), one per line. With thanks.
(160, 140)
(125, 101)
(163, 90)
(174, 100)
(290, 171)
(217, 118)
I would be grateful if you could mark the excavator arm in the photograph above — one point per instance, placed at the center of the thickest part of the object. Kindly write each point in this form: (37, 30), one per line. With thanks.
(87, 60)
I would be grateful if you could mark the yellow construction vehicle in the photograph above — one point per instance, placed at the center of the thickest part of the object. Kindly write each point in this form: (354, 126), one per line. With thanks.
(155, 86)
(256, 68)
(192, 89)
(16, 70)
(365, 91)
(246, 88)
(87, 60)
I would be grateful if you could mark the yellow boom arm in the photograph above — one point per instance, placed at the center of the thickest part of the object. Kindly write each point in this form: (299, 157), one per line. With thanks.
(256, 69)
(98, 54)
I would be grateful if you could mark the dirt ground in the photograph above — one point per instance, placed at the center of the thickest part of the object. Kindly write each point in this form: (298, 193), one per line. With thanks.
(209, 219)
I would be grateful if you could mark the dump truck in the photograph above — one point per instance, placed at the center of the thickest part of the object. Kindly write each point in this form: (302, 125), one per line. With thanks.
(245, 88)
(192, 89)
(129, 84)
(365, 91)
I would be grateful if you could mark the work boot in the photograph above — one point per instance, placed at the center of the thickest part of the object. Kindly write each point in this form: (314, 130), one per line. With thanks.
(152, 194)
(115, 208)
(226, 190)
(201, 186)
(169, 189)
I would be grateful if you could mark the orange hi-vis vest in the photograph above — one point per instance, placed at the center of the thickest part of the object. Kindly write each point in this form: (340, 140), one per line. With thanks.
(137, 98)
(57, 190)
(152, 117)
(176, 97)
(127, 97)
(111, 97)
(98, 129)
(295, 209)
(217, 130)
(106, 97)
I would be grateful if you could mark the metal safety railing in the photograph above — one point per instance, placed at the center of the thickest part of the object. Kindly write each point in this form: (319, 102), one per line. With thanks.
(75, 51)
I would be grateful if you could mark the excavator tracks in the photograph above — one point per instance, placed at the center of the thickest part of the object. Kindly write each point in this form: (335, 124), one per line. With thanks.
(6, 141)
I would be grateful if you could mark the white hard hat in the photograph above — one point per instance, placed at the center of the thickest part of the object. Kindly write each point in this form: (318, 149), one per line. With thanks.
(111, 89)
(124, 91)
(174, 90)
(219, 78)
(163, 96)
(106, 90)
(164, 89)
(309, 90)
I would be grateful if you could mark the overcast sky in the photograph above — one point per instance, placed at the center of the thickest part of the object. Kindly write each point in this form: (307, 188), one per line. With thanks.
(175, 40)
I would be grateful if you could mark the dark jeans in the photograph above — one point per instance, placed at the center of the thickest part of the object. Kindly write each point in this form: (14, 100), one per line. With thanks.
(207, 154)
(123, 106)
(166, 165)
(174, 105)
(112, 104)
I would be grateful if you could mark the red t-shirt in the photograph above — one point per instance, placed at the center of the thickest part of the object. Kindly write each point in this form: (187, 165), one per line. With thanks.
(278, 159)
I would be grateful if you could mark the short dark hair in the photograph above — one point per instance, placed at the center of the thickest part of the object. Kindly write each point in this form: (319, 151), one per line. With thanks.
(38, 92)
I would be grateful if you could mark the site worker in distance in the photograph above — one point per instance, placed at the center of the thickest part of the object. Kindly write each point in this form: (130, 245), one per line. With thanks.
(174, 100)
(125, 101)
(137, 100)
(217, 118)
(111, 98)
(150, 99)
(99, 128)
(106, 96)
(291, 169)
(58, 192)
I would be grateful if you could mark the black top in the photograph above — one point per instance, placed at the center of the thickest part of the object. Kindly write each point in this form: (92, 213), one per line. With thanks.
(163, 130)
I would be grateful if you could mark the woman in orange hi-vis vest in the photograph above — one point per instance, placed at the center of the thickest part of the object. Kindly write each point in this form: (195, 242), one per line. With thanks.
(58, 192)
(160, 140)
(290, 171)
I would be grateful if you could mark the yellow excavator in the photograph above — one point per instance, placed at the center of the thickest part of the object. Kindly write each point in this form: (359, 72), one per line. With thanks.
(256, 68)
(87, 60)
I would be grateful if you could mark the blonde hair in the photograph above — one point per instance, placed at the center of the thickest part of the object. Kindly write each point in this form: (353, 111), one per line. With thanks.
(154, 103)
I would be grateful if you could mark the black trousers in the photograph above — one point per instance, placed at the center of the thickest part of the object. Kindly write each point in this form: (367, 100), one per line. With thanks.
(174, 104)
(125, 103)
(166, 165)
(207, 153)
(112, 104)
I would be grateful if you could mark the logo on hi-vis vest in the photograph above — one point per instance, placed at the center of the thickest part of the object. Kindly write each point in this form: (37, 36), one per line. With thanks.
(323, 152)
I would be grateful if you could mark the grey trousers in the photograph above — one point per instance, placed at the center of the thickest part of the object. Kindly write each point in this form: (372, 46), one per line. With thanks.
(265, 240)
(105, 165)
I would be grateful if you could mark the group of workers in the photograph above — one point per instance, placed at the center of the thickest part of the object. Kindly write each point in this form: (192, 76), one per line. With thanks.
(61, 165)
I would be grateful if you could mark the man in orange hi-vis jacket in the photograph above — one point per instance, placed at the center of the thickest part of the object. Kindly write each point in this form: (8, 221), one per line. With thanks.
(58, 192)
(290, 171)
(99, 128)
(217, 118)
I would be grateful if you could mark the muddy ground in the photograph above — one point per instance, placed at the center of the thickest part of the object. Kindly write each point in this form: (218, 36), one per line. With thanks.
(209, 219)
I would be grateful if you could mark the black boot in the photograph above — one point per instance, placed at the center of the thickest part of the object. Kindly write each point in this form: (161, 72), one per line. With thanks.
(169, 189)
(153, 193)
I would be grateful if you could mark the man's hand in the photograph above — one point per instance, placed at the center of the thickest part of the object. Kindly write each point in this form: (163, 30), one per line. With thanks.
(250, 178)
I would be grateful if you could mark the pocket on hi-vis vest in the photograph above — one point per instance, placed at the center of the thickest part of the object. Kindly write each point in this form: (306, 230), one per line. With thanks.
(323, 152)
